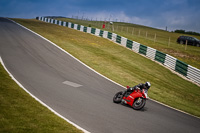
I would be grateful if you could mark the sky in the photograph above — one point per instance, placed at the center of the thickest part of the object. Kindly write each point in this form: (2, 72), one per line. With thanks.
(173, 14)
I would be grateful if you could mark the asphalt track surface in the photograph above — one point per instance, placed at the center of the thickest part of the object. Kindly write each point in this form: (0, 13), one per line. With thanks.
(76, 92)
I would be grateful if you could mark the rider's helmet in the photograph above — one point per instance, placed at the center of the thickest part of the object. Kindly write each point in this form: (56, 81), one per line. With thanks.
(148, 85)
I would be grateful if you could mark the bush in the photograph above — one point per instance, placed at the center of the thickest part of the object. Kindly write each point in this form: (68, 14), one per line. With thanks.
(187, 32)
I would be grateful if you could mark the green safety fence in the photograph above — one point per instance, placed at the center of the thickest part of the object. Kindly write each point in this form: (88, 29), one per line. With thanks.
(129, 44)
(84, 29)
(67, 24)
(109, 35)
(78, 27)
(143, 49)
(160, 57)
(181, 67)
(93, 30)
(72, 25)
(101, 33)
(118, 40)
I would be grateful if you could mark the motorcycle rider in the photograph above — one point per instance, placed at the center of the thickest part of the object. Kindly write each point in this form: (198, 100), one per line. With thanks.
(140, 86)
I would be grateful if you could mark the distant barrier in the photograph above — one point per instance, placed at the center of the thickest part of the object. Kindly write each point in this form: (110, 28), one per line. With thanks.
(184, 69)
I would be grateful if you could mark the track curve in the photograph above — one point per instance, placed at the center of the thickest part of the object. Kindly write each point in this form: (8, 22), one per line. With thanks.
(76, 92)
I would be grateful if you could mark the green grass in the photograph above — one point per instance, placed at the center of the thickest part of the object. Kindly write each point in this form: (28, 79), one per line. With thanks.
(122, 65)
(145, 35)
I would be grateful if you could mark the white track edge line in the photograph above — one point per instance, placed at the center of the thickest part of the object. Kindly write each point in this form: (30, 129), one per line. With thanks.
(98, 72)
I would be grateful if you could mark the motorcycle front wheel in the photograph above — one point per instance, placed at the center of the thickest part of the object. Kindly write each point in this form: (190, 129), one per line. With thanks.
(139, 103)
(118, 97)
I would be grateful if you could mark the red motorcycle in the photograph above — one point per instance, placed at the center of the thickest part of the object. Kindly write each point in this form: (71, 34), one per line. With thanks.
(136, 99)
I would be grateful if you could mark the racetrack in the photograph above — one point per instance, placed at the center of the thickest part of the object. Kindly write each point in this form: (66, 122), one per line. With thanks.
(76, 92)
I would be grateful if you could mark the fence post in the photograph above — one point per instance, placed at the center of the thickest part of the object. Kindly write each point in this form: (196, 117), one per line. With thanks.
(132, 31)
(146, 34)
(169, 42)
(155, 38)
(139, 33)
(186, 44)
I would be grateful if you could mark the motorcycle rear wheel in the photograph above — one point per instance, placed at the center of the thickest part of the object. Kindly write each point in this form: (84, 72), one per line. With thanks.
(118, 97)
(139, 103)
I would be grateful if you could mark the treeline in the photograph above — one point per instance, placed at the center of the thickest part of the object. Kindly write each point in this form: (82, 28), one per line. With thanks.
(187, 32)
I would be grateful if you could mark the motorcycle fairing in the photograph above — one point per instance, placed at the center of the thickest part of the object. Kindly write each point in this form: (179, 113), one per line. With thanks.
(131, 98)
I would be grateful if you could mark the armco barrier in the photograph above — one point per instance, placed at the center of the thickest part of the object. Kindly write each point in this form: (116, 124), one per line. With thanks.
(93, 30)
(169, 61)
(151, 52)
(181, 67)
(143, 49)
(101, 33)
(118, 40)
(123, 41)
(84, 29)
(89, 29)
(105, 34)
(78, 27)
(52, 20)
(109, 35)
(75, 26)
(97, 32)
(160, 57)
(136, 46)
(69, 25)
(49, 20)
(72, 25)
(129, 44)
(114, 37)
(60, 23)
(193, 74)
(57, 22)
